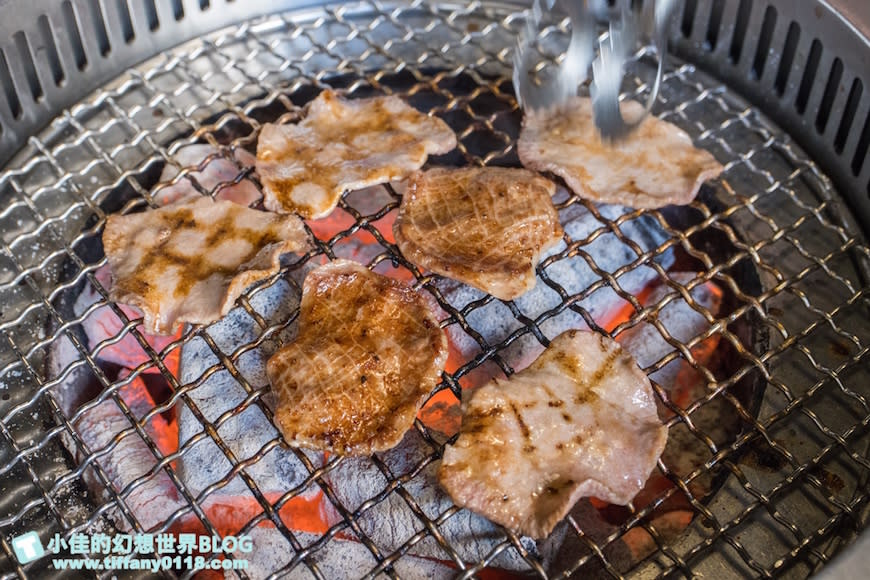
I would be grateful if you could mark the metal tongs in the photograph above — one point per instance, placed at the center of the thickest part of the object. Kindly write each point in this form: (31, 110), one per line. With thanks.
(608, 68)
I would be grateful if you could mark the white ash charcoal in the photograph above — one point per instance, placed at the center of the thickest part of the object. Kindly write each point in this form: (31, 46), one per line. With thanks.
(645, 231)
(68, 391)
(685, 452)
(495, 322)
(153, 501)
(246, 432)
(341, 557)
(391, 522)
(683, 323)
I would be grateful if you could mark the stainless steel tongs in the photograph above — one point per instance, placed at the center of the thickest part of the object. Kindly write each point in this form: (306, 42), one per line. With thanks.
(608, 68)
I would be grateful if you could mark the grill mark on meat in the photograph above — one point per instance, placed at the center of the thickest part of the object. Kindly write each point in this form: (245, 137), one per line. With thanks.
(524, 429)
(588, 394)
(559, 485)
(199, 268)
(477, 421)
(553, 401)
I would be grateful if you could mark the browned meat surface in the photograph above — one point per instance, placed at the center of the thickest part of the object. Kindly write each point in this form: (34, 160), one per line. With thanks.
(190, 260)
(342, 145)
(368, 352)
(580, 421)
(656, 166)
(486, 227)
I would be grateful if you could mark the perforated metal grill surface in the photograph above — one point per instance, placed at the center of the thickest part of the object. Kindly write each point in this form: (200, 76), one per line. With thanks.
(794, 476)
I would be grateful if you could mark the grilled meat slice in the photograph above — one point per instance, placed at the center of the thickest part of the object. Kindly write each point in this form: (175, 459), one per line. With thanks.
(580, 421)
(368, 352)
(485, 226)
(190, 260)
(342, 145)
(658, 165)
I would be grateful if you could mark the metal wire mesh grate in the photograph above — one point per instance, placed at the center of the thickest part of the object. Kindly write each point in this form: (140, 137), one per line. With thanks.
(791, 476)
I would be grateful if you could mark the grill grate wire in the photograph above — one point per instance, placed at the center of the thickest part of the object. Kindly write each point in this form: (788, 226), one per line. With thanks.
(780, 213)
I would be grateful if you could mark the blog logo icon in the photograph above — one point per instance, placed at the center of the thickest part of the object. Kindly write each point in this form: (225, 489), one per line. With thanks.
(27, 547)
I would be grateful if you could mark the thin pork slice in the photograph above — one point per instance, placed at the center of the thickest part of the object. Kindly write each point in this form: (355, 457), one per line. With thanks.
(190, 260)
(656, 166)
(580, 421)
(342, 145)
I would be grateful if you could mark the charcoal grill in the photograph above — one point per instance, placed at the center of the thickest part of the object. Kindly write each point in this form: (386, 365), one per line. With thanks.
(97, 95)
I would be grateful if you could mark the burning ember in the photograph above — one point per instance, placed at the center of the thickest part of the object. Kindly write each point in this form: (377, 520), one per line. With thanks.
(224, 379)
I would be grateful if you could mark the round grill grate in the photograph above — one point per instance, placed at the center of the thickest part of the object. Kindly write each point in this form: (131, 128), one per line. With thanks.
(790, 469)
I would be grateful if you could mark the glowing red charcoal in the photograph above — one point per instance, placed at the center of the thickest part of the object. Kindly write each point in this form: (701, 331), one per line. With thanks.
(230, 514)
